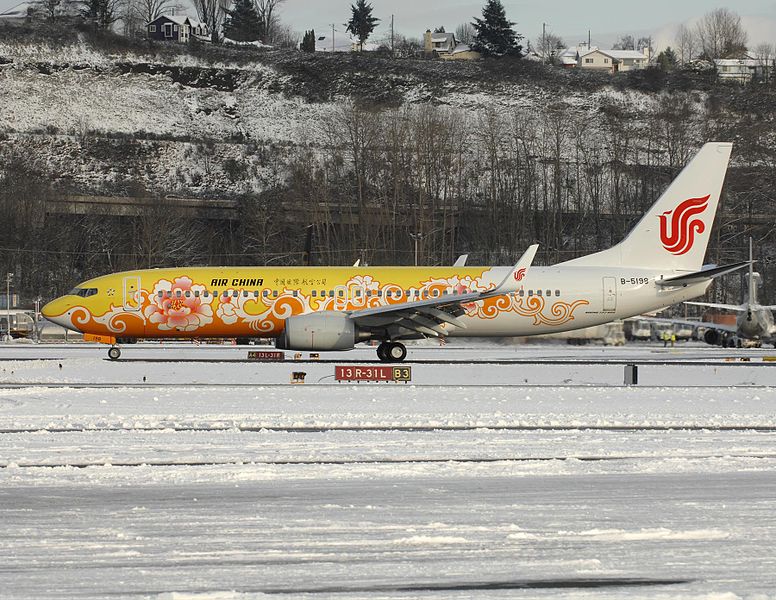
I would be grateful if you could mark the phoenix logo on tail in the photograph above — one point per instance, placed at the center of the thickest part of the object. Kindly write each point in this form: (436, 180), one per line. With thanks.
(519, 274)
(679, 238)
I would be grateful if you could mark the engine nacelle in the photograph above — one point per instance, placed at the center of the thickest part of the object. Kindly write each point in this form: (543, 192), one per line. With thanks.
(318, 331)
(712, 337)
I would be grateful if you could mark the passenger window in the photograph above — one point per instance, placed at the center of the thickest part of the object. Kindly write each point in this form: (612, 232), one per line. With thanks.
(206, 294)
(314, 294)
(323, 293)
(436, 293)
(369, 293)
(235, 293)
(340, 293)
(387, 293)
(196, 293)
(226, 294)
(358, 293)
(557, 292)
(188, 294)
(548, 293)
(178, 294)
(295, 293)
(256, 294)
(521, 293)
(245, 293)
(274, 293)
(538, 292)
(161, 294)
(215, 293)
(530, 292)
(266, 293)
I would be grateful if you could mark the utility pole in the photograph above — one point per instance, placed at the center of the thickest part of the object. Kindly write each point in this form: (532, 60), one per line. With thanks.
(589, 40)
(332, 37)
(393, 53)
(8, 278)
(544, 41)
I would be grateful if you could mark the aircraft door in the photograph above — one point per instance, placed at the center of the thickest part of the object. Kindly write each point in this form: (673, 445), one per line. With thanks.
(132, 294)
(610, 294)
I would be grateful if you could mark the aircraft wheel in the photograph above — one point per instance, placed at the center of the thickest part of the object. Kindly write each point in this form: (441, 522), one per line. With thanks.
(382, 351)
(114, 353)
(396, 352)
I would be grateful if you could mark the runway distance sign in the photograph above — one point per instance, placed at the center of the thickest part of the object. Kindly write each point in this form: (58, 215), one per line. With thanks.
(372, 373)
(266, 355)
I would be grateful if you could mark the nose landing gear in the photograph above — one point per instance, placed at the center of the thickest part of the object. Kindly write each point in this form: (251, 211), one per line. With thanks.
(391, 352)
(114, 352)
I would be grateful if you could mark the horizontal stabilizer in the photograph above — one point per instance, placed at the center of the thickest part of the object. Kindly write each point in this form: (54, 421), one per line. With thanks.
(701, 276)
(734, 307)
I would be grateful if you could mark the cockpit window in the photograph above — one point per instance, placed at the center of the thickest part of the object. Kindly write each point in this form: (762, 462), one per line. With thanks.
(83, 292)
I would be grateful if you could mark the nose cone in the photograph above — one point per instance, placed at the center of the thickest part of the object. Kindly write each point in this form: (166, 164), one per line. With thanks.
(58, 311)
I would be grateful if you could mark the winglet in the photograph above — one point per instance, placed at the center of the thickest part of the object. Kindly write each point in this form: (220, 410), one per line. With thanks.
(461, 262)
(512, 281)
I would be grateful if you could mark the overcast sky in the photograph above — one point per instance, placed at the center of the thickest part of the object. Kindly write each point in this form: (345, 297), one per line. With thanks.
(605, 18)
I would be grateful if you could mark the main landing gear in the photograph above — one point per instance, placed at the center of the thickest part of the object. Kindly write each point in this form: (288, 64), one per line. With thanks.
(114, 352)
(391, 352)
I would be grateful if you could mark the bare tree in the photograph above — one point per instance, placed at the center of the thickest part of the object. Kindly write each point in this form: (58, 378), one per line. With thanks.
(102, 14)
(765, 54)
(464, 33)
(721, 35)
(626, 42)
(50, 8)
(548, 44)
(267, 11)
(150, 10)
(686, 44)
(212, 13)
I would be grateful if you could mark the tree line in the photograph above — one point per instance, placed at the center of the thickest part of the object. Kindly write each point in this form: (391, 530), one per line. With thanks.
(486, 183)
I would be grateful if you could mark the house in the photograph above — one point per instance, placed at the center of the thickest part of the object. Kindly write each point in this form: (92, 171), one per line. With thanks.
(176, 28)
(445, 46)
(743, 70)
(613, 61)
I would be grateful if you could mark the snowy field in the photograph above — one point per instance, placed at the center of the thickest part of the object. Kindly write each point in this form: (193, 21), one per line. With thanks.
(189, 472)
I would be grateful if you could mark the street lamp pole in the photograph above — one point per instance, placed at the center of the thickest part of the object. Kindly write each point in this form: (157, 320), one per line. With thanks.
(8, 277)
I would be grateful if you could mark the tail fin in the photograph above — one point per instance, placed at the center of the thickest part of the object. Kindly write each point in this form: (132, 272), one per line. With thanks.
(674, 232)
(754, 278)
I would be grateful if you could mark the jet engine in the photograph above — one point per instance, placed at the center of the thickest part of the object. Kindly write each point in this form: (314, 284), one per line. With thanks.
(713, 337)
(319, 331)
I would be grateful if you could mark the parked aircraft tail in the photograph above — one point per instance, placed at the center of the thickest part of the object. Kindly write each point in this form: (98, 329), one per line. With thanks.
(675, 231)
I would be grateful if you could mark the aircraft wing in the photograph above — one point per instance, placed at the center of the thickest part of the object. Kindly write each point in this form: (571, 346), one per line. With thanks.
(701, 276)
(428, 316)
(693, 324)
(735, 307)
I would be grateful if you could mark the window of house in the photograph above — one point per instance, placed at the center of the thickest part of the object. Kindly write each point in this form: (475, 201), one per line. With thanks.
(606, 61)
(589, 61)
(152, 28)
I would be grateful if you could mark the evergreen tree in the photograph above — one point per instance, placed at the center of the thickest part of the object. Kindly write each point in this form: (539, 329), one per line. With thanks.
(361, 23)
(494, 35)
(667, 60)
(242, 23)
(308, 41)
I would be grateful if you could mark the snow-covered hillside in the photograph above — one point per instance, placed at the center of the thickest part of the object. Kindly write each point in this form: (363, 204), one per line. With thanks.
(59, 101)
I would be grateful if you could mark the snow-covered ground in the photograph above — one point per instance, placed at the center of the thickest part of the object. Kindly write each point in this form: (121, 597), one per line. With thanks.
(215, 478)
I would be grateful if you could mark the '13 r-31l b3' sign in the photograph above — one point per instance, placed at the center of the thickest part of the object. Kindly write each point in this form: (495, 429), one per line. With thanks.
(372, 373)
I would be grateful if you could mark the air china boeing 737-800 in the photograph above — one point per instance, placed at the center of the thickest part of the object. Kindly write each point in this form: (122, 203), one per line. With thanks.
(658, 264)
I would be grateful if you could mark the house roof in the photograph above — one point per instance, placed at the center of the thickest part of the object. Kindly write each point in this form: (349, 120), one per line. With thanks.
(180, 20)
(616, 54)
(443, 37)
(19, 11)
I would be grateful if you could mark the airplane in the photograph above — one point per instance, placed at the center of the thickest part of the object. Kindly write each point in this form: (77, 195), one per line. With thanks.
(658, 264)
(754, 320)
